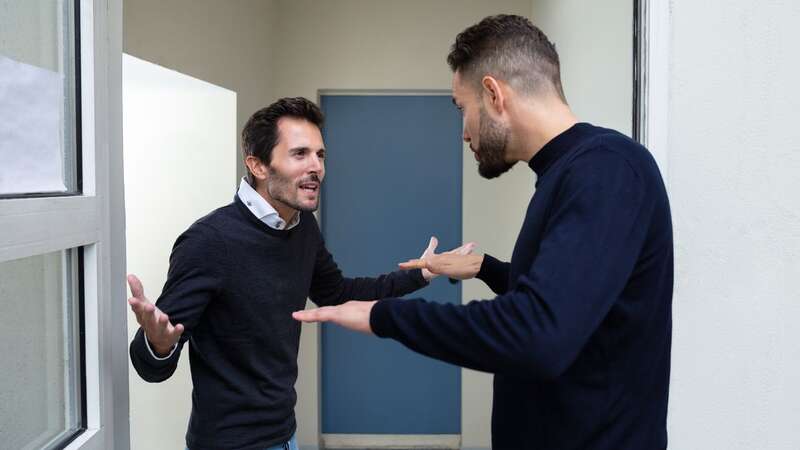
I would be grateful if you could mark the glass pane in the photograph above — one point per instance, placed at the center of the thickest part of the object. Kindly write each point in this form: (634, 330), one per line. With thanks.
(38, 151)
(40, 379)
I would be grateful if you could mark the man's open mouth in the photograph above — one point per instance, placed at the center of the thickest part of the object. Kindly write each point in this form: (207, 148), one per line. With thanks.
(310, 186)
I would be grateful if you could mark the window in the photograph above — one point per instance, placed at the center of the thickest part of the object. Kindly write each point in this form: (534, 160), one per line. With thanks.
(40, 337)
(63, 374)
(38, 80)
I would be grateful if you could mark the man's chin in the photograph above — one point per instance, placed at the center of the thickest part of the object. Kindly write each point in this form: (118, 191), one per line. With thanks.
(308, 206)
(490, 171)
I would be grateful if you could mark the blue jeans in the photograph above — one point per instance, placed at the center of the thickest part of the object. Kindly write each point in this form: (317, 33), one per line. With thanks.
(290, 445)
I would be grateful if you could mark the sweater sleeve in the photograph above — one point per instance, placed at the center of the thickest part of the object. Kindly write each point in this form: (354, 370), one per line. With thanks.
(193, 280)
(537, 329)
(494, 273)
(330, 287)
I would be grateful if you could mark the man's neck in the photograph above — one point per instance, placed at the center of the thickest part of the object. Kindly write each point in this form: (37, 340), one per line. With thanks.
(285, 211)
(538, 126)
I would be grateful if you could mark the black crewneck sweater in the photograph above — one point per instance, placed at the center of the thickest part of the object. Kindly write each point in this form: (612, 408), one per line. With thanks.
(579, 334)
(234, 282)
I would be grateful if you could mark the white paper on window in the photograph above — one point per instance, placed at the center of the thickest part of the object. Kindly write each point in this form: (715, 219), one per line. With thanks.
(31, 99)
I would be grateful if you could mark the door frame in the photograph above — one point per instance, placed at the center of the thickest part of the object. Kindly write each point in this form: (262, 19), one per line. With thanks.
(651, 34)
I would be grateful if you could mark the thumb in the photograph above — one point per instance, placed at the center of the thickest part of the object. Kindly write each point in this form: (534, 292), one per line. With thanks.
(431, 246)
(137, 290)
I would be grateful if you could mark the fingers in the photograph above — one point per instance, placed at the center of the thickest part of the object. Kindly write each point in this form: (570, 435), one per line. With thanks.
(137, 290)
(155, 322)
(149, 319)
(159, 328)
(173, 332)
(136, 304)
(323, 314)
(162, 321)
(413, 264)
(138, 300)
(138, 308)
(467, 248)
(305, 316)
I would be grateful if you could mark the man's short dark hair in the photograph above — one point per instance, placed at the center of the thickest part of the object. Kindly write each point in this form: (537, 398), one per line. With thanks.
(260, 133)
(509, 48)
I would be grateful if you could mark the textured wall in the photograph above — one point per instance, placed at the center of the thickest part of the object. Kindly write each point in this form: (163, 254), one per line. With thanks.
(227, 43)
(734, 158)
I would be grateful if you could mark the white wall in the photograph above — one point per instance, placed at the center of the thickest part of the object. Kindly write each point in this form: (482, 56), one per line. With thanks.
(734, 159)
(594, 41)
(227, 43)
(179, 133)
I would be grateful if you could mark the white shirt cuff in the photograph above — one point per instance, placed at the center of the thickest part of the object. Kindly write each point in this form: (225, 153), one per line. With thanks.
(153, 354)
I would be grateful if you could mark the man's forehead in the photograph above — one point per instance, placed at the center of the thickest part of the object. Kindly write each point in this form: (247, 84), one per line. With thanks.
(299, 134)
(298, 129)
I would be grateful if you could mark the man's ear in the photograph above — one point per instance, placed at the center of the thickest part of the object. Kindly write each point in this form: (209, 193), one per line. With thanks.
(256, 167)
(493, 93)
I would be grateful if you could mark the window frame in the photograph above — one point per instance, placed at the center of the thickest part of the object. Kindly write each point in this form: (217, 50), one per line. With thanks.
(93, 220)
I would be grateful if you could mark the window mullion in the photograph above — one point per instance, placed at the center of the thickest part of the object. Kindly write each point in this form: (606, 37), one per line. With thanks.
(43, 225)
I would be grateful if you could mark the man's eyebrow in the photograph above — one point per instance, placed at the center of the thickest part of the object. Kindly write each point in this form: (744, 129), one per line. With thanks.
(305, 149)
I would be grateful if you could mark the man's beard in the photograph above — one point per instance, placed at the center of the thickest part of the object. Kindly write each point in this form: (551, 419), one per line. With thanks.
(493, 138)
(279, 188)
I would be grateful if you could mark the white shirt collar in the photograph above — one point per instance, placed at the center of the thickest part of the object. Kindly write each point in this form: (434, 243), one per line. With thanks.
(262, 209)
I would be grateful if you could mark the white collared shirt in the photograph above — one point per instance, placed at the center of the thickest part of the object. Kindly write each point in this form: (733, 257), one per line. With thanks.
(262, 209)
(265, 213)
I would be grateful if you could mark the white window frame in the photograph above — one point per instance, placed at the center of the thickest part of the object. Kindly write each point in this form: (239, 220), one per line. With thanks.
(94, 220)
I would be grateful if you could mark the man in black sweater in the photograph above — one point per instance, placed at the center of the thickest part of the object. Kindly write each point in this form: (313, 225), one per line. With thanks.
(235, 277)
(579, 334)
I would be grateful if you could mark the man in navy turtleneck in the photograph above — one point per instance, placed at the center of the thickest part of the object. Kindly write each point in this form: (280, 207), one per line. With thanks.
(579, 334)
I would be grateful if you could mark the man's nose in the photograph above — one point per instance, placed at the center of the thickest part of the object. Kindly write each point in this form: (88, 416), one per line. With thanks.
(315, 164)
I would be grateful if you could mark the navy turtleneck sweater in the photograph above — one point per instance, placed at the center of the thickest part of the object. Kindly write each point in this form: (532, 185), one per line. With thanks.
(579, 334)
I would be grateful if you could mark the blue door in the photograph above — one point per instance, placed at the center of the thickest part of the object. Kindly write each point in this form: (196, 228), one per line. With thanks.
(393, 179)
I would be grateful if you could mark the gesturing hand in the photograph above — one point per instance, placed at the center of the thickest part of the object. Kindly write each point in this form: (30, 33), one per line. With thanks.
(458, 263)
(426, 261)
(160, 332)
(353, 315)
